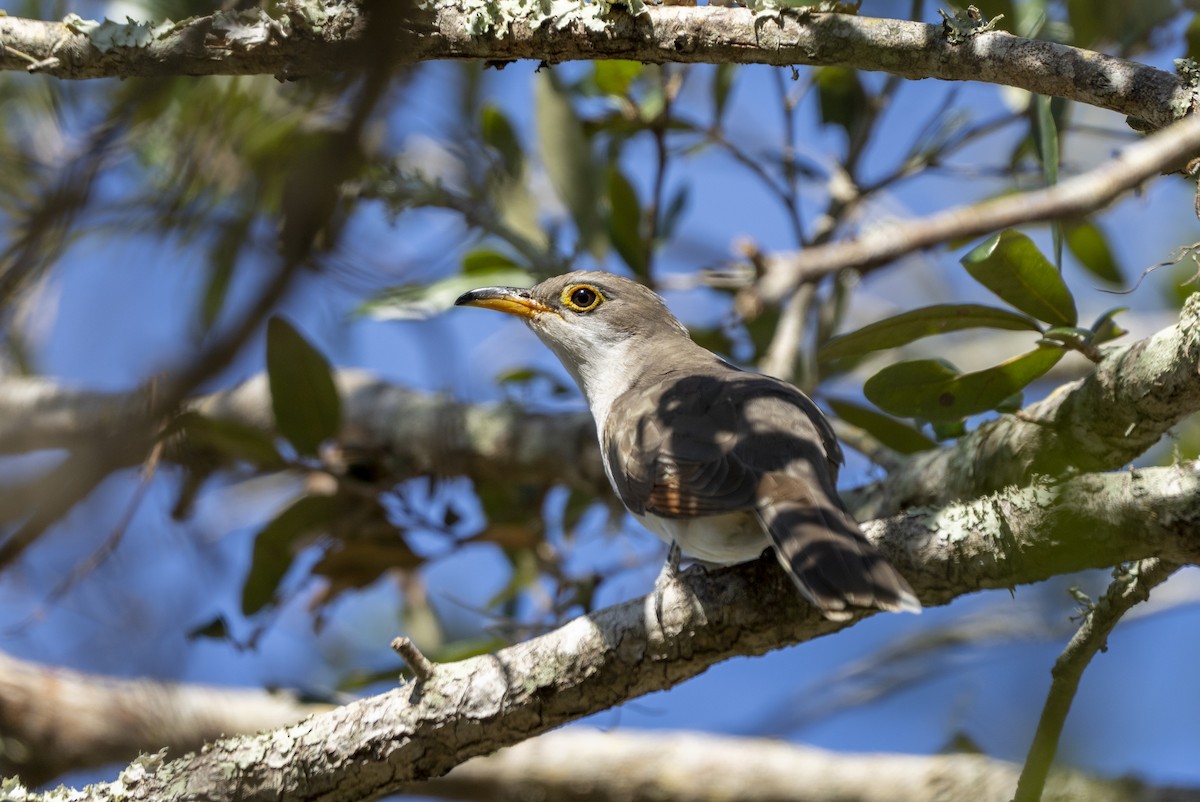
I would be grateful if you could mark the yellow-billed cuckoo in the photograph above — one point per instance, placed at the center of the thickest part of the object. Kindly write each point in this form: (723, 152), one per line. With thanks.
(718, 460)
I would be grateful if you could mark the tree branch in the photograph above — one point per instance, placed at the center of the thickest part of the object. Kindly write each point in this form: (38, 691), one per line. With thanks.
(622, 765)
(1100, 422)
(422, 433)
(1163, 151)
(307, 42)
(55, 720)
(1129, 588)
(473, 707)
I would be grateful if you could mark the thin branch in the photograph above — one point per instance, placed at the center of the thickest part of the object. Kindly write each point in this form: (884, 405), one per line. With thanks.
(100, 554)
(1130, 587)
(780, 358)
(422, 667)
(307, 207)
(1075, 197)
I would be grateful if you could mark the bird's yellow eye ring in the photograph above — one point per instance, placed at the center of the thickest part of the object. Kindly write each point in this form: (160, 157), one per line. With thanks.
(581, 297)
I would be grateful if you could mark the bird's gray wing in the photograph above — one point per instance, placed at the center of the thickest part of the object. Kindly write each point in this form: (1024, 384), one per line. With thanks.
(719, 442)
(671, 446)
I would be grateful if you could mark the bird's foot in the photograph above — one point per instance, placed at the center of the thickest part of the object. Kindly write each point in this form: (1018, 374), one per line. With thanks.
(669, 581)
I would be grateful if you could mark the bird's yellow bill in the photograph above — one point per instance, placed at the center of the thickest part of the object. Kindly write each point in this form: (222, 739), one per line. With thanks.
(509, 300)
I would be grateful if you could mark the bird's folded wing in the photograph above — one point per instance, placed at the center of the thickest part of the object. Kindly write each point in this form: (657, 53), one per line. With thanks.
(699, 445)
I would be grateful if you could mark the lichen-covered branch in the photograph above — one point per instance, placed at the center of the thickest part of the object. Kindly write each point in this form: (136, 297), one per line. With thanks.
(476, 706)
(1097, 423)
(312, 38)
(426, 433)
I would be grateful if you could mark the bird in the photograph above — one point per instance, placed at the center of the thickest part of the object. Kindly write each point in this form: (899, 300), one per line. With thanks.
(719, 462)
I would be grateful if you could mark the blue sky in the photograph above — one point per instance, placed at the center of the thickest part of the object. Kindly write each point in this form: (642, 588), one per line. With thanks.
(120, 307)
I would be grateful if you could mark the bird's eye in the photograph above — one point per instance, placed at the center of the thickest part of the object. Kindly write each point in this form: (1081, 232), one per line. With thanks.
(581, 298)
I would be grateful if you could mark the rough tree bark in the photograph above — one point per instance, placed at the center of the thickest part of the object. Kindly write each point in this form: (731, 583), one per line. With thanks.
(310, 41)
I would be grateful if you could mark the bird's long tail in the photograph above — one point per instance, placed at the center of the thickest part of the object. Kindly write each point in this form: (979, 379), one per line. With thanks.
(825, 553)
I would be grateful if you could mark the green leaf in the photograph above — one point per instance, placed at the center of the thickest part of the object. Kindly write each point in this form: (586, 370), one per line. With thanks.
(276, 545)
(949, 430)
(421, 301)
(625, 222)
(896, 435)
(722, 86)
(1012, 267)
(934, 390)
(651, 105)
(1192, 37)
(614, 76)
(486, 261)
(567, 156)
(303, 394)
(842, 97)
(672, 214)
(1070, 336)
(216, 628)
(216, 289)
(1047, 142)
(523, 377)
(234, 439)
(1088, 245)
(924, 322)
(499, 134)
(1105, 328)
(1129, 25)
(223, 257)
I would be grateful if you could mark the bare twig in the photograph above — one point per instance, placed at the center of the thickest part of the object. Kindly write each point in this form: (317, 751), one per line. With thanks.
(780, 358)
(422, 667)
(103, 552)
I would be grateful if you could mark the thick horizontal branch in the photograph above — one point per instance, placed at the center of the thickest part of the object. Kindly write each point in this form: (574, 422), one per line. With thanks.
(426, 433)
(626, 766)
(1100, 422)
(421, 433)
(476, 706)
(307, 43)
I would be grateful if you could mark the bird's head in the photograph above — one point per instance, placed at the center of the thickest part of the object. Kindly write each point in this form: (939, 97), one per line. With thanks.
(587, 318)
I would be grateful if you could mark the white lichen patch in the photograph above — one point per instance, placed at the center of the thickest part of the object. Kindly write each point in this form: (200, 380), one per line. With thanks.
(486, 16)
(106, 35)
(240, 29)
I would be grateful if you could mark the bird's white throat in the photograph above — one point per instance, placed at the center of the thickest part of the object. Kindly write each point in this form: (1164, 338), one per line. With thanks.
(600, 365)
